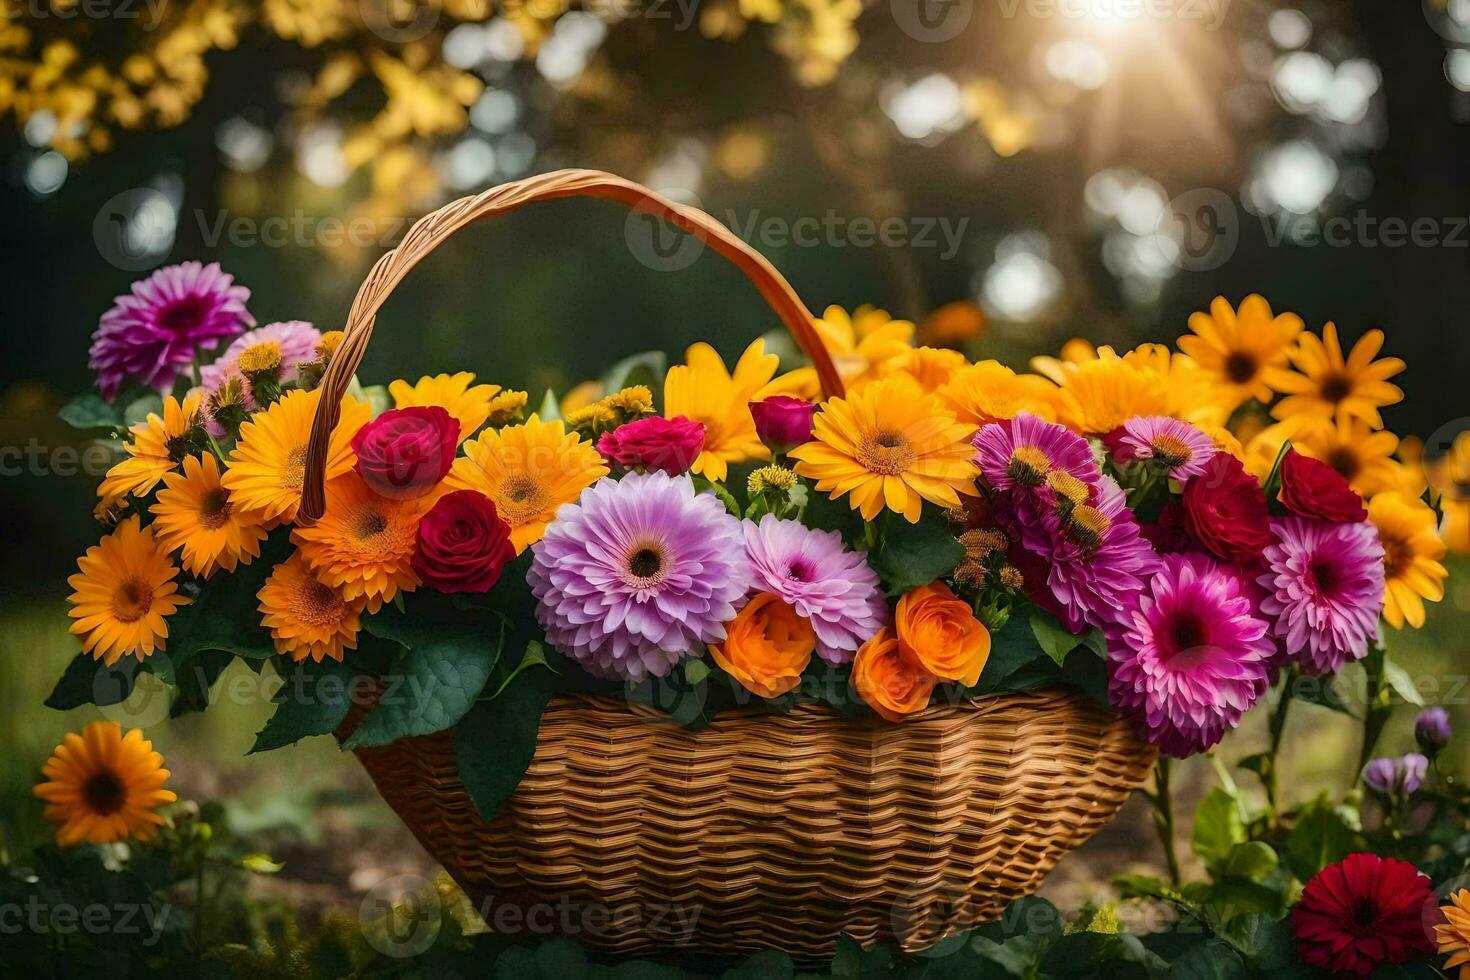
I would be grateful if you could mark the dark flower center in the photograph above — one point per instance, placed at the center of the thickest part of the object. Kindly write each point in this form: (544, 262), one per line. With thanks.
(184, 315)
(645, 563)
(132, 600)
(799, 570)
(214, 509)
(1325, 574)
(1345, 461)
(1240, 367)
(371, 524)
(104, 793)
(1365, 912)
(1336, 387)
(1185, 631)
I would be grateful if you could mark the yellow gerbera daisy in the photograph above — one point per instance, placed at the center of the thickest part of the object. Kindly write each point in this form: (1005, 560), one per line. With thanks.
(1349, 446)
(1098, 396)
(305, 617)
(703, 390)
(1453, 934)
(990, 392)
(1054, 369)
(457, 394)
(158, 445)
(1190, 394)
(363, 544)
(124, 592)
(103, 786)
(529, 470)
(268, 464)
(927, 367)
(1411, 553)
(1242, 352)
(194, 513)
(1330, 384)
(889, 444)
(864, 347)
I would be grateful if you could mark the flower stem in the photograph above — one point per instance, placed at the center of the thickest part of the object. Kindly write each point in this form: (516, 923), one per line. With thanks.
(1278, 727)
(1164, 817)
(1376, 713)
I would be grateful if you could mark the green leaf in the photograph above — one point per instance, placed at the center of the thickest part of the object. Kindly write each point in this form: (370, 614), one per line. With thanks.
(1318, 838)
(1055, 640)
(695, 671)
(1265, 943)
(1217, 828)
(226, 614)
(496, 741)
(141, 407)
(1321, 691)
(1018, 957)
(1399, 681)
(313, 700)
(1213, 961)
(912, 555)
(1272, 486)
(647, 368)
(550, 410)
(88, 681)
(1253, 861)
(704, 485)
(91, 411)
(431, 688)
(534, 656)
(261, 864)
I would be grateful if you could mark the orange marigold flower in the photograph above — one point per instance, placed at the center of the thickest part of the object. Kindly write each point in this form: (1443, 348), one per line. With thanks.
(890, 678)
(103, 786)
(942, 633)
(124, 593)
(305, 617)
(767, 646)
(364, 543)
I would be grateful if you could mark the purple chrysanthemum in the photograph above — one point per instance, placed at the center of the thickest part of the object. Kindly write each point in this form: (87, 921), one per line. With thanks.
(1094, 556)
(1020, 452)
(296, 338)
(153, 333)
(637, 574)
(1325, 585)
(1188, 657)
(824, 581)
(1180, 447)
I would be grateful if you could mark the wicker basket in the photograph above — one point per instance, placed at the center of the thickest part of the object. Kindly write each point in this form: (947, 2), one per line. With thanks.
(762, 830)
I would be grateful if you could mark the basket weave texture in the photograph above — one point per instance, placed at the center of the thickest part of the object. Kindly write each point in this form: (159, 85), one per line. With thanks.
(773, 830)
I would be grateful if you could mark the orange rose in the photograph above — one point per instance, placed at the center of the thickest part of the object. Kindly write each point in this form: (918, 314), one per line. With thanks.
(942, 632)
(767, 646)
(890, 678)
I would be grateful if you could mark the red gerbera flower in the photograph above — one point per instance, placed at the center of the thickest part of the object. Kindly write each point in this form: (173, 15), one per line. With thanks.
(1361, 913)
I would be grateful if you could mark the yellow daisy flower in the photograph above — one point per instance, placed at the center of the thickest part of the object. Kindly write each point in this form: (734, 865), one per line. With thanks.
(123, 594)
(268, 464)
(457, 394)
(1098, 396)
(990, 392)
(928, 367)
(103, 787)
(864, 346)
(529, 470)
(305, 617)
(1242, 352)
(1330, 384)
(507, 407)
(158, 445)
(889, 444)
(1190, 393)
(703, 390)
(363, 544)
(1453, 934)
(1412, 551)
(194, 513)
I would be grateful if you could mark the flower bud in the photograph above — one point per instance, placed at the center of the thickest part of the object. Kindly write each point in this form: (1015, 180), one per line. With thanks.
(1432, 729)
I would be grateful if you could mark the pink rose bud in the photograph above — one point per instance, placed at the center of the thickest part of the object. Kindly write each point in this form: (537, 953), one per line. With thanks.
(405, 452)
(782, 421)
(670, 445)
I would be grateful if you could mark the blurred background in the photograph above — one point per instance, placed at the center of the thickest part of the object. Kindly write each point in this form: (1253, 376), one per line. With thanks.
(1059, 168)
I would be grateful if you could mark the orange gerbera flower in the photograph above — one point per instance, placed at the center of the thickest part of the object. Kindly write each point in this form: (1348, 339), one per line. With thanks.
(364, 543)
(158, 446)
(268, 466)
(305, 617)
(194, 513)
(991, 392)
(103, 786)
(124, 593)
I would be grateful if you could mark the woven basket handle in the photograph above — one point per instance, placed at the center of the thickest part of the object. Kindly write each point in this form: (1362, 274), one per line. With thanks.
(432, 230)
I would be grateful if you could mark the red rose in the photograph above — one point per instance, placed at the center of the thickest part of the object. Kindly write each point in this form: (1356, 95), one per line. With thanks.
(654, 443)
(463, 543)
(782, 421)
(1311, 488)
(405, 452)
(1362, 913)
(1225, 510)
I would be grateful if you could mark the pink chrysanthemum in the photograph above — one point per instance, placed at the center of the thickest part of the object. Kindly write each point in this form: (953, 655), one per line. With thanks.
(1181, 448)
(1325, 585)
(1093, 555)
(1188, 657)
(637, 574)
(154, 333)
(1020, 452)
(825, 582)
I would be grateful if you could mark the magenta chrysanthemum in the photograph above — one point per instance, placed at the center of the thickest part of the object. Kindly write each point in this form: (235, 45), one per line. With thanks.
(637, 574)
(154, 333)
(1188, 657)
(1181, 448)
(1094, 556)
(296, 338)
(1020, 452)
(819, 577)
(1325, 585)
